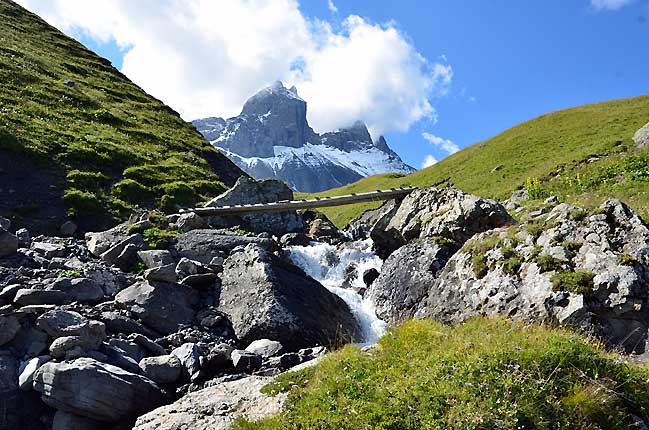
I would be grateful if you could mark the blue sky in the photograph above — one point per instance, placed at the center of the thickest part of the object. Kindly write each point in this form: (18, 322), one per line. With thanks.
(511, 60)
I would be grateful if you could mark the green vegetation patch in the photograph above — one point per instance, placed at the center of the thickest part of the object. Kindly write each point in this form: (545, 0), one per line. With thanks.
(575, 282)
(484, 374)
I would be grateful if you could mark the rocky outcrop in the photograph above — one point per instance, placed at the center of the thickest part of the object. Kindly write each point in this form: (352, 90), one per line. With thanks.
(205, 245)
(8, 243)
(95, 390)
(267, 297)
(564, 265)
(215, 407)
(247, 191)
(641, 137)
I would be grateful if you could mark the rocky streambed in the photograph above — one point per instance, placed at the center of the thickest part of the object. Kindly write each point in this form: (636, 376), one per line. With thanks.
(177, 322)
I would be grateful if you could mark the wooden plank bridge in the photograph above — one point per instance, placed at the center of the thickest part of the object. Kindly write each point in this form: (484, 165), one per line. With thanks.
(291, 205)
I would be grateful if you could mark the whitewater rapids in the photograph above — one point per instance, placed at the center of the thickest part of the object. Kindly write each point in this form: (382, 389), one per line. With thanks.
(329, 265)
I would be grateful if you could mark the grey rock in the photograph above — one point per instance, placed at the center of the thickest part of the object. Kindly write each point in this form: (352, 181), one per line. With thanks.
(62, 345)
(82, 290)
(267, 297)
(191, 221)
(100, 242)
(8, 293)
(30, 296)
(164, 369)
(245, 361)
(190, 357)
(62, 323)
(160, 306)
(118, 323)
(29, 342)
(130, 348)
(8, 243)
(5, 223)
(295, 239)
(128, 258)
(151, 346)
(155, 258)
(28, 369)
(186, 267)
(24, 239)
(114, 254)
(247, 191)
(49, 250)
(69, 83)
(111, 280)
(215, 407)
(118, 357)
(65, 421)
(68, 229)
(9, 327)
(204, 245)
(166, 273)
(96, 390)
(641, 137)
(265, 348)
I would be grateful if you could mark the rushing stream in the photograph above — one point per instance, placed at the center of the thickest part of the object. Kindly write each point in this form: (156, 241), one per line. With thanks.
(329, 265)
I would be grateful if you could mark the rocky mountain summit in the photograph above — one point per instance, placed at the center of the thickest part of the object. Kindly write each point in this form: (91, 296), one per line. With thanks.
(172, 322)
(271, 138)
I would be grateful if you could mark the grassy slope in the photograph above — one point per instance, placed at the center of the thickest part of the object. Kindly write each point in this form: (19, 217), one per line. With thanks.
(554, 147)
(484, 374)
(114, 145)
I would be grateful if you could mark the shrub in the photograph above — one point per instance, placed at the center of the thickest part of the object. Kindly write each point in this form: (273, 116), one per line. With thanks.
(480, 268)
(131, 190)
(156, 238)
(575, 282)
(483, 374)
(626, 260)
(547, 263)
(512, 265)
(535, 189)
(82, 202)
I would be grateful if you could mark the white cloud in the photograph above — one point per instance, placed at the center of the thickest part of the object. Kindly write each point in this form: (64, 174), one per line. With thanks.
(610, 4)
(331, 6)
(428, 161)
(205, 58)
(445, 144)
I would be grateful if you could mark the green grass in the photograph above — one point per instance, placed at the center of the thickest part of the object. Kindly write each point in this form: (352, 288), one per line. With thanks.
(119, 146)
(484, 374)
(584, 155)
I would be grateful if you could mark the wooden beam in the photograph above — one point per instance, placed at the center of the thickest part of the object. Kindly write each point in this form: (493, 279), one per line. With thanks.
(291, 205)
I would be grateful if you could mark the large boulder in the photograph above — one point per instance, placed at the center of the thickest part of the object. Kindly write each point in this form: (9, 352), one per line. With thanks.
(444, 213)
(163, 369)
(100, 242)
(9, 326)
(205, 245)
(268, 297)
(216, 407)
(641, 137)
(161, 306)
(96, 390)
(77, 329)
(82, 290)
(406, 277)
(588, 271)
(8, 243)
(247, 191)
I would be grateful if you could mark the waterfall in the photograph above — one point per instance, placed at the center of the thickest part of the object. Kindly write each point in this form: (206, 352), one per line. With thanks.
(330, 266)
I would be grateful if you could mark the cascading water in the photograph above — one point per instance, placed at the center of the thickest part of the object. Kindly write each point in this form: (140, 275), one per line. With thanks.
(330, 266)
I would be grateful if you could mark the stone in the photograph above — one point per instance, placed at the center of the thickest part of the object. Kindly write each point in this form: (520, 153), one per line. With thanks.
(204, 245)
(61, 323)
(29, 342)
(265, 348)
(68, 229)
(155, 258)
(9, 327)
(82, 290)
(96, 390)
(8, 243)
(215, 407)
(322, 227)
(191, 221)
(8, 293)
(128, 258)
(146, 343)
(28, 369)
(5, 223)
(405, 278)
(30, 296)
(518, 197)
(49, 250)
(446, 213)
(186, 267)
(24, 239)
(218, 358)
(61, 345)
(65, 421)
(295, 239)
(190, 357)
(100, 242)
(69, 83)
(641, 137)
(164, 369)
(128, 347)
(166, 273)
(114, 255)
(118, 357)
(161, 306)
(369, 276)
(268, 297)
(248, 190)
(117, 323)
(245, 361)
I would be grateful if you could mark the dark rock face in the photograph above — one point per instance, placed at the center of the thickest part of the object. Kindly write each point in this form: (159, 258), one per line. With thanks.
(271, 138)
(205, 245)
(405, 279)
(95, 390)
(161, 306)
(8, 243)
(247, 191)
(267, 297)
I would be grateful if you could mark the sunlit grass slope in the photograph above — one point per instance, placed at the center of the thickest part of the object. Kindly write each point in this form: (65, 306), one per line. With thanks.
(484, 374)
(583, 154)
